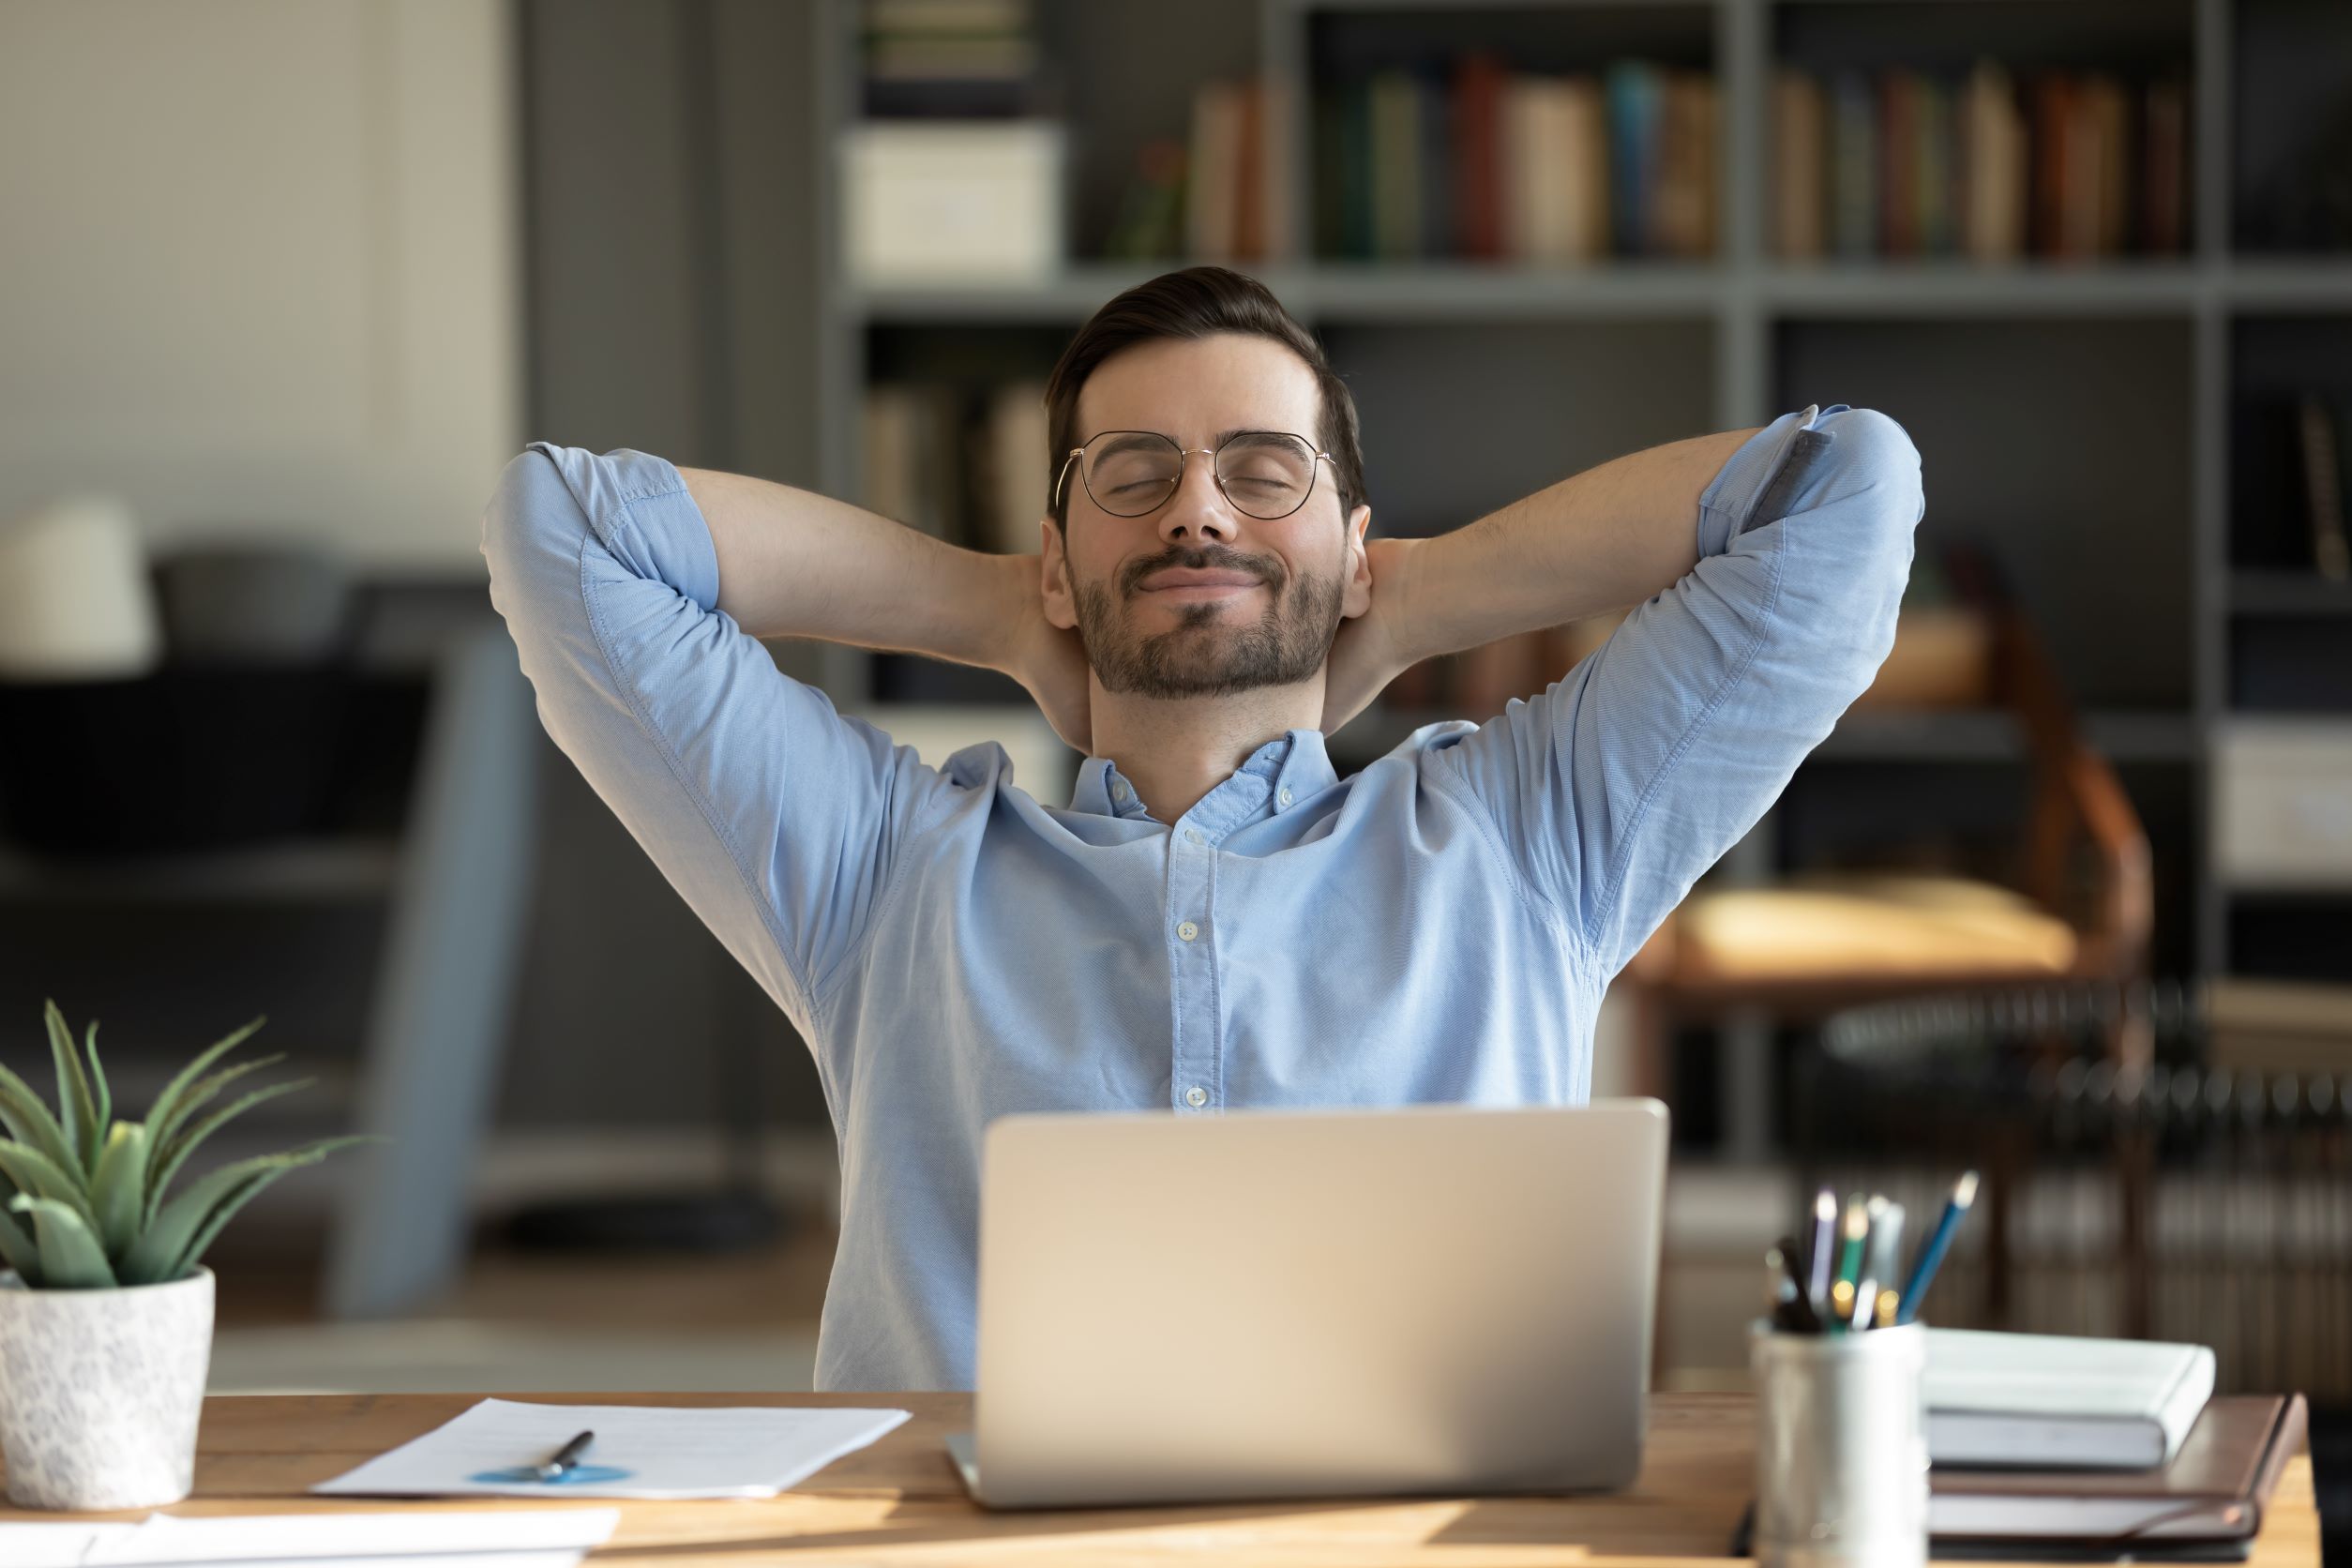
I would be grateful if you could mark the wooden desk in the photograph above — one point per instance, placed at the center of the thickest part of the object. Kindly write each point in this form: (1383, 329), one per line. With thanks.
(900, 1501)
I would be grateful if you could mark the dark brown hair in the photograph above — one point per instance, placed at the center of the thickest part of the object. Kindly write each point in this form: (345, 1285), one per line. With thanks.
(1199, 302)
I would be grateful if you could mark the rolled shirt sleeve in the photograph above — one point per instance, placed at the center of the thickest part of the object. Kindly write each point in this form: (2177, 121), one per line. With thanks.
(1622, 782)
(780, 820)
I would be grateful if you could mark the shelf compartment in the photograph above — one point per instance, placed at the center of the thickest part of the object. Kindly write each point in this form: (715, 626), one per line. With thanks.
(2291, 135)
(2089, 517)
(2300, 664)
(1386, 103)
(1460, 419)
(2276, 363)
(2288, 594)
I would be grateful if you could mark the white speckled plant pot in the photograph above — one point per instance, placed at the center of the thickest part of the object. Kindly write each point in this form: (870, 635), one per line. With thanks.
(101, 1391)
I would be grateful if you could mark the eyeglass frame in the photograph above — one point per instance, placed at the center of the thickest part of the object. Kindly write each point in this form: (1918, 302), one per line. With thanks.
(1184, 456)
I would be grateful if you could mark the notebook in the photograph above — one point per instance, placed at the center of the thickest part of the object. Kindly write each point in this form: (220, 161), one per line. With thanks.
(2047, 1401)
(2214, 1489)
(2205, 1506)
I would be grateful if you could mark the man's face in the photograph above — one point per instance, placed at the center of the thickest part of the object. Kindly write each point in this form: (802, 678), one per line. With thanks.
(1197, 598)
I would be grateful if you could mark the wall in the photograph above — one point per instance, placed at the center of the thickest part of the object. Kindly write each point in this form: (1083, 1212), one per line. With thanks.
(260, 260)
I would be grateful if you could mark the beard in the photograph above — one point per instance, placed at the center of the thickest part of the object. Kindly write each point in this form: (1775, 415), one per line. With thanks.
(1203, 654)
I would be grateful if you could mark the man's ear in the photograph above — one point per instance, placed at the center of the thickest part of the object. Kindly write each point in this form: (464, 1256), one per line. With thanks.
(1053, 571)
(1358, 597)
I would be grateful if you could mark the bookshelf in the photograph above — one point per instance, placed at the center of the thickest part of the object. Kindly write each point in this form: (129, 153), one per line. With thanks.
(2107, 424)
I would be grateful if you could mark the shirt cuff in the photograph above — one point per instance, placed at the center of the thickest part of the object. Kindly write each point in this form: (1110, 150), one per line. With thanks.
(1724, 505)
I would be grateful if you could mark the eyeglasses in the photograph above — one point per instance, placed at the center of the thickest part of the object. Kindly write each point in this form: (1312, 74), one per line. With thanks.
(1265, 473)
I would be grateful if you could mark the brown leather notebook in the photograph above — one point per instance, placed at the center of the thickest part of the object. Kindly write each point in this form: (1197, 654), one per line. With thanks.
(2214, 1489)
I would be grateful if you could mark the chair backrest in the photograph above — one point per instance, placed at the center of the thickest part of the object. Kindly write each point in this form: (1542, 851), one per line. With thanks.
(2087, 853)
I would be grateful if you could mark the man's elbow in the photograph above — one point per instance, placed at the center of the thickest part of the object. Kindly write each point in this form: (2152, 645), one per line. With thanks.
(1873, 456)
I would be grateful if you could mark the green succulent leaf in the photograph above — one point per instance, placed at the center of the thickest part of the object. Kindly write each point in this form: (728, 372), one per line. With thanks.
(171, 1156)
(29, 1120)
(171, 1106)
(118, 1191)
(200, 1094)
(227, 1210)
(19, 1249)
(70, 1257)
(39, 1176)
(171, 1241)
(77, 1107)
(98, 1089)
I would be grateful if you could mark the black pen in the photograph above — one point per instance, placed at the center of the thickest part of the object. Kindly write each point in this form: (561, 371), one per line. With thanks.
(1798, 1316)
(567, 1459)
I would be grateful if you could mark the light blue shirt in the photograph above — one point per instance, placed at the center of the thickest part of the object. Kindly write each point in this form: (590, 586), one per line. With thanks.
(1439, 926)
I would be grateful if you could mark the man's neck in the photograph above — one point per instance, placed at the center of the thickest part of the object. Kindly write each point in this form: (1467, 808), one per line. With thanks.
(1176, 750)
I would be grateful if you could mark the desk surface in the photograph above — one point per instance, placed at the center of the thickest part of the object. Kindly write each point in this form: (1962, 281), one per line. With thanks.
(900, 1501)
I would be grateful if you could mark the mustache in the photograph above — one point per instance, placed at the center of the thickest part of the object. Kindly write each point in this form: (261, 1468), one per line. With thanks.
(1264, 569)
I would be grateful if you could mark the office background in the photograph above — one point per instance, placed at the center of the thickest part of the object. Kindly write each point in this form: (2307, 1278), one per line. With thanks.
(290, 279)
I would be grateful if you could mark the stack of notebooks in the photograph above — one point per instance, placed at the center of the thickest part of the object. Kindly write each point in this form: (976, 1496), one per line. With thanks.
(2046, 1446)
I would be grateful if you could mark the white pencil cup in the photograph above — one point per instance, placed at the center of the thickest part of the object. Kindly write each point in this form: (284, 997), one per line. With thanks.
(1841, 1447)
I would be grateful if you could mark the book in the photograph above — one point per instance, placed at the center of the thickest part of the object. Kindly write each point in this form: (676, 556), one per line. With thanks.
(1214, 167)
(1800, 166)
(2111, 153)
(1934, 175)
(1853, 167)
(2163, 173)
(2049, 163)
(2033, 1399)
(1354, 121)
(1683, 202)
(1434, 165)
(1634, 93)
(1480, 83)
(1019, 480)
(2322, 447)
(2214, 1489)
(1993, 222)
(1249, 170)
(1395, 153)
(1898, 163)
(1554, 173)
(911, 456)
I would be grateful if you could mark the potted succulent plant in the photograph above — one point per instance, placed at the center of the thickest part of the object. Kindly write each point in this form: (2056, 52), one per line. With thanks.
(105, 1310)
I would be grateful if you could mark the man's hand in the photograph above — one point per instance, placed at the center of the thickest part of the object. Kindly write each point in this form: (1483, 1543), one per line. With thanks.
(1050, 663)
(1374, 648)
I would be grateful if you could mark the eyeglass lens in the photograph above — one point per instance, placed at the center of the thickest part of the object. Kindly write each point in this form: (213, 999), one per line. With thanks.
(1265, 472)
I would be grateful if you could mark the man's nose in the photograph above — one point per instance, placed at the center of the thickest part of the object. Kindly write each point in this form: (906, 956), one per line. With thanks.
(1199, 509)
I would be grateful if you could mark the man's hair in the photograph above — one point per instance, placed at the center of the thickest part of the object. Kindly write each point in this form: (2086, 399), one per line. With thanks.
(1197, 302)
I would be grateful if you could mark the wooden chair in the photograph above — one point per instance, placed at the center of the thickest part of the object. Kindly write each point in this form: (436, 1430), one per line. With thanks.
(1808, 946)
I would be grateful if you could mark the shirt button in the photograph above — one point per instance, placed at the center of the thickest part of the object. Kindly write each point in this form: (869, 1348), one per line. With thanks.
(1196, 1096)
(1192, 836)
(1188, 930)
(1283, 797)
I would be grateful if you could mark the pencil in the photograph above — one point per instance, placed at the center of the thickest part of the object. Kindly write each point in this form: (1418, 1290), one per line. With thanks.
(1857, 1228)
(1930, 1257)
(1824, 1239)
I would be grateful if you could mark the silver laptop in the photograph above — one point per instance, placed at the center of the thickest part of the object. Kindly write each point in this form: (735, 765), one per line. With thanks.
(1437, 1299)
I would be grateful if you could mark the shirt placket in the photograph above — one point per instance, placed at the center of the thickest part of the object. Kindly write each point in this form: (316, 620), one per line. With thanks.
(1195, 1083)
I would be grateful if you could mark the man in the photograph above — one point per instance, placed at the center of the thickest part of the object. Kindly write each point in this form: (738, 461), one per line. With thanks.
(1214, 919)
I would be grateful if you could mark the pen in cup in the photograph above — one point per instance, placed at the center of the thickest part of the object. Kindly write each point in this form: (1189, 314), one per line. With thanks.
(1931, 1255)
(564, 1459)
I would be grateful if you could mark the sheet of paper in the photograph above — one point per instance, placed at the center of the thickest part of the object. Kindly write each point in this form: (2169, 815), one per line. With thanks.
(640, 1451)
(517, 1538)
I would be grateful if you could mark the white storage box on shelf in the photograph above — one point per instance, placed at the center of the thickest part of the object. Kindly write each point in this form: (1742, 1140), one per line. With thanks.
(953, 200)
(2282, 803)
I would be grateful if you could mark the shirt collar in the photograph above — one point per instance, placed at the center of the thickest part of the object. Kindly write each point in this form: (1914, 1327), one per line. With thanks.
(1286, 770)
